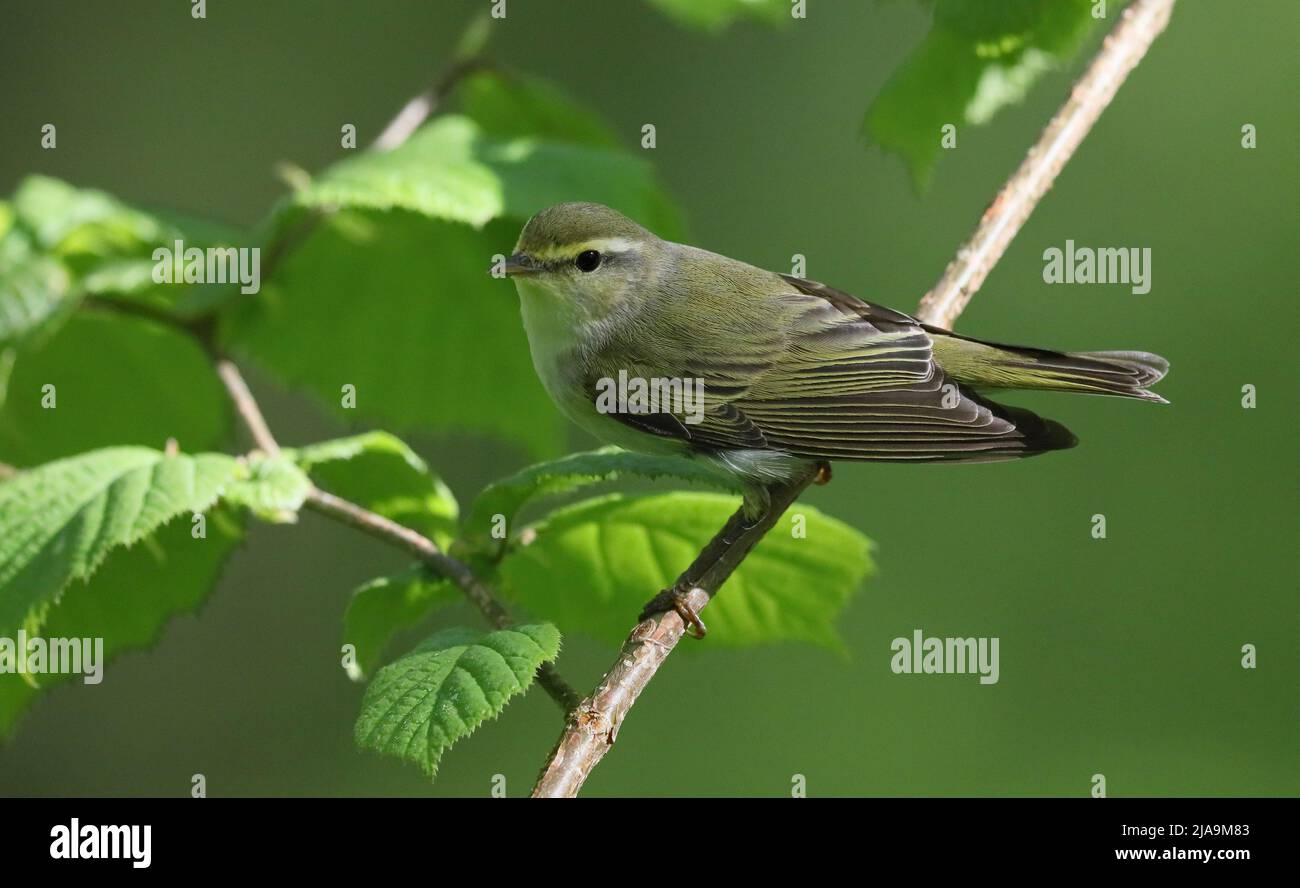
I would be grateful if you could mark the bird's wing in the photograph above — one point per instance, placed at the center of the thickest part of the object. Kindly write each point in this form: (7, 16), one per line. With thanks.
(819, 373)
(859, 381)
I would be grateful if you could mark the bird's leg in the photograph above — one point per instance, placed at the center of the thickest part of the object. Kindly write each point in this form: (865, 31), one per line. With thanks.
(676, 598)
(823, 475)
(753, 514)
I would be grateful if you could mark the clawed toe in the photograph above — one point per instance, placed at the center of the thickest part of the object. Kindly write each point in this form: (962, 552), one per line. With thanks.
(677, 600)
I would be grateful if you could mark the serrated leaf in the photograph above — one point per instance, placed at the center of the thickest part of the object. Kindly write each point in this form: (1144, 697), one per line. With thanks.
(82, 221)
(451, 169)
(379, 471)
(507, 496)
(130, 598)
(978, 58)
(435, 173)
(109, 245)
(35, 289)
(59, 521)
(117, 380)
(422, 703)
(715, 15)
(271, 487)
(595, 563)
(385, 606)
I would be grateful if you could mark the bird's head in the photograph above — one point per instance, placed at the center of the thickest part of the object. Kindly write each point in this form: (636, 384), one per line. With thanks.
(588, 258)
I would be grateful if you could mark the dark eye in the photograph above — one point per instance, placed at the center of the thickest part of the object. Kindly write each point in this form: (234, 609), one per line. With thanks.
(588, 260)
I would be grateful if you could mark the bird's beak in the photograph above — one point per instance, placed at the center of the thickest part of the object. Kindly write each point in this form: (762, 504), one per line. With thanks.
(521, 264)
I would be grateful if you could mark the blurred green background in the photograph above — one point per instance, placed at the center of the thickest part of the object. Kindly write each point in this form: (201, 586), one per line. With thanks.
(1119, 656)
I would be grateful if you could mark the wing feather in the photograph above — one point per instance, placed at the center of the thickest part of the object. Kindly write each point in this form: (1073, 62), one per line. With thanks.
(848, 379)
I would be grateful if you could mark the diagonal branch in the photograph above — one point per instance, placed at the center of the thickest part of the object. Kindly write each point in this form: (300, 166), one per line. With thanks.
(423, 548)
(594, 723)
(1139, 25)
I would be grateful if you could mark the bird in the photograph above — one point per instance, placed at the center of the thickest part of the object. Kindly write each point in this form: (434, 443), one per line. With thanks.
(787, 374)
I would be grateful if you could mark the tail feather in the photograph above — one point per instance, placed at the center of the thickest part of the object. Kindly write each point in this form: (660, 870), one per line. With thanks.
(1126, 374)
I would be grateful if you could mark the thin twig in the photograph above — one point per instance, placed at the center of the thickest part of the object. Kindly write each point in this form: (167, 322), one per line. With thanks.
(1140, 23)
(247, 407)
(441, 564)
(423, 548)
(593, 725)
(415, 112)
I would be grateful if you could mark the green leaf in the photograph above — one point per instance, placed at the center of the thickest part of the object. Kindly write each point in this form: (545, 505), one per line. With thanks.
(422, 703)
(978, 58)
(35, 289)
(379, 471)
(271, 487)
(435, 173)
(595, 563)
(59, 521)
(128, 601)
(382, 608)
(77, 222)
(402, 308)
(109, 245)
(507, 496)
(116, 380)
(451, 169)
(715, 15)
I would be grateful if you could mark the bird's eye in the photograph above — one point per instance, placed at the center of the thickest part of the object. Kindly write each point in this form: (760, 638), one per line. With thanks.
(588, 260)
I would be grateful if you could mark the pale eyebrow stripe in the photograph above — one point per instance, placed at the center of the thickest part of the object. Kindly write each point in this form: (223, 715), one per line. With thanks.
(603, 245)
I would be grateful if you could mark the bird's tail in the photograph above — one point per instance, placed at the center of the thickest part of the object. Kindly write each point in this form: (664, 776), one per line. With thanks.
(1127, 374)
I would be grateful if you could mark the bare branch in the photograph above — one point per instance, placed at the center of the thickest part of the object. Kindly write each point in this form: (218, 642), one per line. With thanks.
(1140, 23)
(415, 112)
(593, 725)
(423, 548)
(247, 407)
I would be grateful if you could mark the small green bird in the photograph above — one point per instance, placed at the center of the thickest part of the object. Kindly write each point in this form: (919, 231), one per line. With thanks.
(764, 374)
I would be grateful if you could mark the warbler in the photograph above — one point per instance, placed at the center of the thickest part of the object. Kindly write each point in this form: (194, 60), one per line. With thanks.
(792, 373)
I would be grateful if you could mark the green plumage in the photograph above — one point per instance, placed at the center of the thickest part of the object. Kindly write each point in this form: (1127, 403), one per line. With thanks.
(792, 370)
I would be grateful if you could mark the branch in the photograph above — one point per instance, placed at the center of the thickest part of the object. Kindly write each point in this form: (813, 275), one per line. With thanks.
(1140, 23)
(423, 548)
(417, 110)
(247, 407)
(593, 725)
(442, 564)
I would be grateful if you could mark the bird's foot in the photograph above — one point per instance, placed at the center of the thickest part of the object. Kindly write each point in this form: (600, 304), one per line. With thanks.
(676, 599)
(823, 475)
